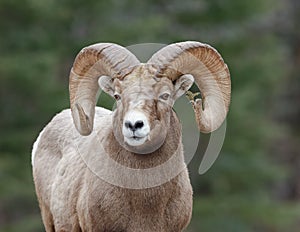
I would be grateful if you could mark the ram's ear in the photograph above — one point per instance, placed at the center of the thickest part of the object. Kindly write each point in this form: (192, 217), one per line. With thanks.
(182, 85)
(106, 84)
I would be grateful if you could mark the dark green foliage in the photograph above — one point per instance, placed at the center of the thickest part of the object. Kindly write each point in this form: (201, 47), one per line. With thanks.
(39, 40)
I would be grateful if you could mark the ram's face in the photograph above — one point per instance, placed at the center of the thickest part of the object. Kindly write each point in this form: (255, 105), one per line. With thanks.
(143, 108)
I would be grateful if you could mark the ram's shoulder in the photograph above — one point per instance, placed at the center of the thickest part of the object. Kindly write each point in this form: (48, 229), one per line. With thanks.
(62, 123)
(64, 118)
(61, 130)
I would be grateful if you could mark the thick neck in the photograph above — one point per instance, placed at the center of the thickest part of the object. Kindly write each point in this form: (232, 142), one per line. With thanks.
(171, 146)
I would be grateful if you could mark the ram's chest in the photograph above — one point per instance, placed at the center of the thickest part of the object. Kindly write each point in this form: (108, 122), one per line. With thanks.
(130, 202)
(119, 209)
(147, 201)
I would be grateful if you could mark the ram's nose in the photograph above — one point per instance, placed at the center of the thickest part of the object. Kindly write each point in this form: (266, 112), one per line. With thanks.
(134, 125)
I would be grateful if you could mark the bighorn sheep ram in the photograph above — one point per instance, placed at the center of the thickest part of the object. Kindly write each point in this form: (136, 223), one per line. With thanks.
(125, 170)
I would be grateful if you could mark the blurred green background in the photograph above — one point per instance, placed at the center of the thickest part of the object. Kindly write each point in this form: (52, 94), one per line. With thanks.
(255, 183)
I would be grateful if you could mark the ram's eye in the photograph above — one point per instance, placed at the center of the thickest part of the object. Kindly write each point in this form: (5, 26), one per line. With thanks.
(117, 96)
(164, 96)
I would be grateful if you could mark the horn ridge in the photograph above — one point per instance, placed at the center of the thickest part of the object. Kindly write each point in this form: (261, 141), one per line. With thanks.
(92, 62)
(211, 75)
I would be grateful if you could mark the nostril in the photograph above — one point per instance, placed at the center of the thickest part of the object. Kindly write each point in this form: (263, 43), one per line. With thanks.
(128, 125)
(139, 124)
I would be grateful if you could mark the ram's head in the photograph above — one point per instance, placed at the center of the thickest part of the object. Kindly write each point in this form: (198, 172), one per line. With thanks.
(145, 93)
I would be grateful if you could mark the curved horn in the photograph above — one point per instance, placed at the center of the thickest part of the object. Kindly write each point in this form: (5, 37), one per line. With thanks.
(91, 63)
(210, 73)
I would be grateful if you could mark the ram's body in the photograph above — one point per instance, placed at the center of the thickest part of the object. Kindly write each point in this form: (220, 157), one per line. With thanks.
(73, 198)
(124, 171)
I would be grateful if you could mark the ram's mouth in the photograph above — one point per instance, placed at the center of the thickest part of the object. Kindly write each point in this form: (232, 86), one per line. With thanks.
(135, 140)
